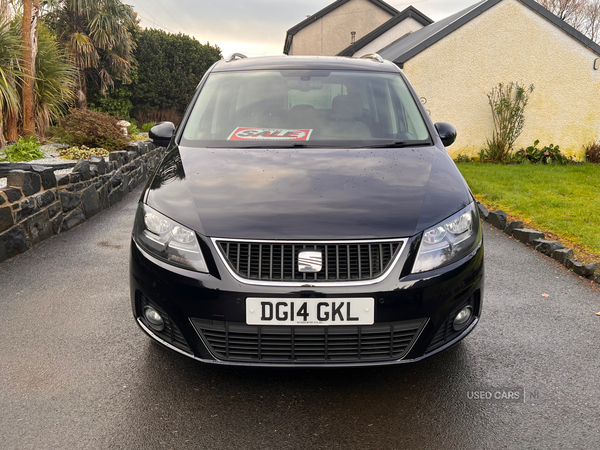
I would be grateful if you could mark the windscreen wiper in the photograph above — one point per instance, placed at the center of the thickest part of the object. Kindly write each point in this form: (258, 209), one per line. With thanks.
(400, 144)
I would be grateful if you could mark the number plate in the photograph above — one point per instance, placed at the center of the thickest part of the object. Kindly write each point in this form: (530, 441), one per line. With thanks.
(312, 311)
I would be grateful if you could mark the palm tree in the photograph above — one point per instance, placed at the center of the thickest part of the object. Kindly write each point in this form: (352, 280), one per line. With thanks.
(54, 83)
(4, 11)
(55, 80)
(10, 49)
(98, 37)
(31, 10)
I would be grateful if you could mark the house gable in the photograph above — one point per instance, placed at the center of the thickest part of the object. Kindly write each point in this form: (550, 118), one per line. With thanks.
(407, 47)
(328, 31)
(510, 43)
(407, 21)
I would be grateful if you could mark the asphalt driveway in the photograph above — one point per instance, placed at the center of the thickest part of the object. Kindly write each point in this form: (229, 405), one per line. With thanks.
(77, 373)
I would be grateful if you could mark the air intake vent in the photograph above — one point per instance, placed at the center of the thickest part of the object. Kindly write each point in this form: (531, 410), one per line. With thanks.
(231, 341)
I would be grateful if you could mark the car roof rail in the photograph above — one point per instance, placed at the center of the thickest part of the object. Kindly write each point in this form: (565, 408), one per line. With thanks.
(235, 56)
(373, 57)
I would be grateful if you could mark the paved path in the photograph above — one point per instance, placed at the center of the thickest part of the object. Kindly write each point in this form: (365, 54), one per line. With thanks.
(77, 373)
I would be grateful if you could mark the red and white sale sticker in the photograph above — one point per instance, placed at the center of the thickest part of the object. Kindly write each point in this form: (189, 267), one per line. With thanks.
(268, 134)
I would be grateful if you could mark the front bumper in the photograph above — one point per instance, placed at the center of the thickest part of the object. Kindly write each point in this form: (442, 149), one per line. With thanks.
(206, 314)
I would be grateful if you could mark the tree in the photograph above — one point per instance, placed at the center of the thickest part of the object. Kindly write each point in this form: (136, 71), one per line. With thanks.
(583, 15)
(571, 11)
(53, 85)
(98, 37)
(4, 11)
(592, 27)
(170, 66)
(55, 80)
(10, 49)
(29, 38)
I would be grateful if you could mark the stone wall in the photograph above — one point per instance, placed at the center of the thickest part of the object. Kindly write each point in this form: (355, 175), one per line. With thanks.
(37, 204)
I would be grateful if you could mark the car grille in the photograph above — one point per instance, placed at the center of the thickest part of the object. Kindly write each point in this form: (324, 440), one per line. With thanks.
(232, 341)
(171, 332)
(276, 261)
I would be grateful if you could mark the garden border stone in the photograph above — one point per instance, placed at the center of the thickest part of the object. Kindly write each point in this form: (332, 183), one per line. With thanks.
(546, 247)
(526, 235)
(553, 249)
(37, 204)
(512, 226)
(498, 219)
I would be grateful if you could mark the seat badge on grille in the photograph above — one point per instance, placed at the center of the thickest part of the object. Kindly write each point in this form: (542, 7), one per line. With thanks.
(310, 262)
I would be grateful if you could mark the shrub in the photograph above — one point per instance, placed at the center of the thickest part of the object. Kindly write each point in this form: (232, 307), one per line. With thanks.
(92, 129)
(132, 129)
(592, 152)
(158, 115)
(462, 158)
(25, 149)
(146, 127)
(508, 104)
(116, 101)
(170, 66)
(82, 152)
(549, 154)
(138, 137)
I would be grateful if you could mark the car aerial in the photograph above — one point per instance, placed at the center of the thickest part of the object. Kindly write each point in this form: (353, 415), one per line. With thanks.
(306, 214)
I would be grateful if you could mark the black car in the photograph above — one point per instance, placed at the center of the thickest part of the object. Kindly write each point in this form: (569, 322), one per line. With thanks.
(306, 214)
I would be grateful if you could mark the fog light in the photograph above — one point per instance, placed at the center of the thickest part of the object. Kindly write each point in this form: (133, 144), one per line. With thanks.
(462, 318)
(154, 319)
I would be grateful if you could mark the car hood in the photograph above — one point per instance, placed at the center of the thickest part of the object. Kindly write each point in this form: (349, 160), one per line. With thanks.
(308, 193)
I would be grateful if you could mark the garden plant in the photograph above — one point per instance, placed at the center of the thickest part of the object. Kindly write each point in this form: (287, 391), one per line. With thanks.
(507, 102)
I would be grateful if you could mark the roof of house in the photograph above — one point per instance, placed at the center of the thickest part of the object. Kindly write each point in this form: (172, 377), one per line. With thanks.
(318, 15)
(410, 12)
(410, 45)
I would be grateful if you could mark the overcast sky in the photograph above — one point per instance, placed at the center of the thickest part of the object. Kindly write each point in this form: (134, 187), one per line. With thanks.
(254, 27)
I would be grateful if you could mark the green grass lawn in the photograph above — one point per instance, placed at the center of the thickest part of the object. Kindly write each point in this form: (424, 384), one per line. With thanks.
(564, 200)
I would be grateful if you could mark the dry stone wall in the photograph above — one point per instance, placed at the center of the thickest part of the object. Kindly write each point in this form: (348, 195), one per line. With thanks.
(36, 204)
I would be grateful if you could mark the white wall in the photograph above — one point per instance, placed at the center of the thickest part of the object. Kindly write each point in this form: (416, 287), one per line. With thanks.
(408, 25)
(511, 43)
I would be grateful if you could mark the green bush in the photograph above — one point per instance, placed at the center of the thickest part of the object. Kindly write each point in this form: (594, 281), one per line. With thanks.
(92, 129)
(592, 152)
(116, 102)
(82, 152)
(549, 154)
(462, 158)
(146, 127)
(132, 129)
(25, 149)
(170, 66)
(508, 102)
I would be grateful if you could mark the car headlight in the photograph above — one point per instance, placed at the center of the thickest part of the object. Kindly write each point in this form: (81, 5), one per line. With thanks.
(167, 240)
(449, 241)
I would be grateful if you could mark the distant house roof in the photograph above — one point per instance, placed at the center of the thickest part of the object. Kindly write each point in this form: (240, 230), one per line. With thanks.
(410, 12)
(318, 15)
(411, 45)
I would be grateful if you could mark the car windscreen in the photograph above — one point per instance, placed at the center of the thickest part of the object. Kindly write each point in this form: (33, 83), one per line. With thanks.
(297, 108)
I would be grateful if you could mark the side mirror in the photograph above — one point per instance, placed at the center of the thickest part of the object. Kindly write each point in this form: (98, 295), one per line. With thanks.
(447, 133)
(161, 133)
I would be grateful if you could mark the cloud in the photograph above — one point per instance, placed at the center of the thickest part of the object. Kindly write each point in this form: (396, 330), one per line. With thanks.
(253, 26)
